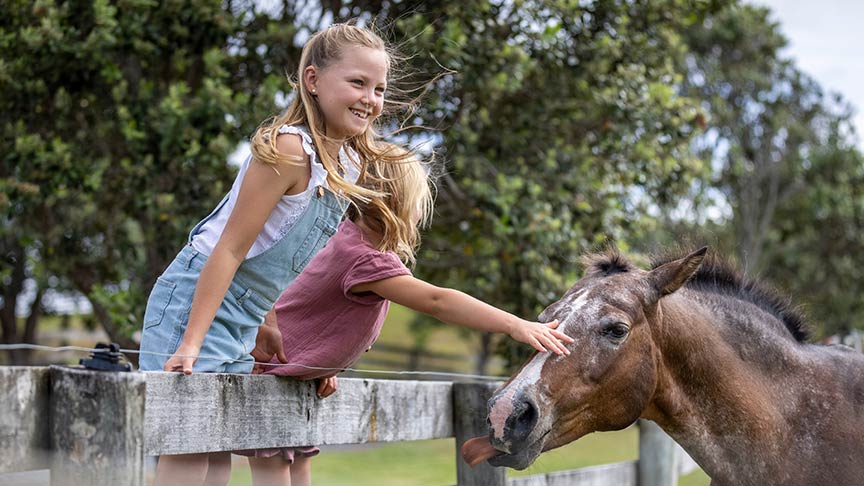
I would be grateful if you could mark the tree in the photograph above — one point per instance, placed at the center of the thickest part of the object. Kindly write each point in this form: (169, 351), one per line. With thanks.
(783, 164)
(764, 118)
(117, 120)
(817, 241)
(559, 127)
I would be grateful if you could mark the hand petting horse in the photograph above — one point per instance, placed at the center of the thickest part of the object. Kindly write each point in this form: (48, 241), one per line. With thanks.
(718, 361)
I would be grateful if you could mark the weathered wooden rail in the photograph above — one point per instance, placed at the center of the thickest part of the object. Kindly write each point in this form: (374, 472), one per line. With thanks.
(92, 427)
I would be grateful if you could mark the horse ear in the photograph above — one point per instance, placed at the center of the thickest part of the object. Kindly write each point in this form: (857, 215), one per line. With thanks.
(669, 277)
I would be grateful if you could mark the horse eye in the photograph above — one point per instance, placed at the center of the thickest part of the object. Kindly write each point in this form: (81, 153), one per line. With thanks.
(616, 331)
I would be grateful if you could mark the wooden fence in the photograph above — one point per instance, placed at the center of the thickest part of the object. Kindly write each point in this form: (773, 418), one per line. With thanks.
(92, 427)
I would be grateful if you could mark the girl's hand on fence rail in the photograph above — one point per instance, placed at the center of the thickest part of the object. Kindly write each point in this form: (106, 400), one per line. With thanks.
(268, 343)
(183, 359)
(326, 386)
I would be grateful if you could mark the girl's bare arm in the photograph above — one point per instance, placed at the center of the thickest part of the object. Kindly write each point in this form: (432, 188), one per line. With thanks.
(261, 189)
(459, 308)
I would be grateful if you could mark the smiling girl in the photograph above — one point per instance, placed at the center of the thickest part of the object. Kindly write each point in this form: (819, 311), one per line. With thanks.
(288, 198)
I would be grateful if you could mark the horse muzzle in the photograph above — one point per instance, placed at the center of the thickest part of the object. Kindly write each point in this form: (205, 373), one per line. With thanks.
(515, 431)
(518, 461)
(519, 416)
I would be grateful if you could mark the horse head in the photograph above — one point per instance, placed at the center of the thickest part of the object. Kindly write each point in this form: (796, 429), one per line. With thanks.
(610, 375)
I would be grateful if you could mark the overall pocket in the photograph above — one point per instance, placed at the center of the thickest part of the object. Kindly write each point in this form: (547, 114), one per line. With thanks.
(250, 301)
(242, 313)
(159, 299)
(314, 241)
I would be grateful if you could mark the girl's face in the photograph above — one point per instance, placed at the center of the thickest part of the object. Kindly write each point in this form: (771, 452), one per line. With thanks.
(350, 91)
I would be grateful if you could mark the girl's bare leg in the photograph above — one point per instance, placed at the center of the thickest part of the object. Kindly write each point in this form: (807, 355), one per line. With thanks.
(301, 471)
(271, 471)
(186, 469)
(219, 470)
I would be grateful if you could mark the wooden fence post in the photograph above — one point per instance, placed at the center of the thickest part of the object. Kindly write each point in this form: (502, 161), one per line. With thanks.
(657, 456)
(469, 420)
(24, 397)
(97, 427)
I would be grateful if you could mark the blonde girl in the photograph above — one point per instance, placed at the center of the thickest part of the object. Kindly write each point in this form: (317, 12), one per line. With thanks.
(204, 311)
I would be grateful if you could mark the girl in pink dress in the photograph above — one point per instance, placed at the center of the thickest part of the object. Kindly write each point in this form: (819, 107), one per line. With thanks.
(334, 310)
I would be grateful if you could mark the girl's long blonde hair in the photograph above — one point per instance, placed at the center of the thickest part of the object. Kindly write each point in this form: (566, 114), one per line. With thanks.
(405, 204)
(324, 48)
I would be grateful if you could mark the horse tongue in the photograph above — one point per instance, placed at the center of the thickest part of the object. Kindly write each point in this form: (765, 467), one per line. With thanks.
(477, 450)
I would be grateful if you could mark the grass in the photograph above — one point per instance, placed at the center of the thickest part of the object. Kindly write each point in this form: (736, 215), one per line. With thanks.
(442, 339)
(695, 478)
(433, 462)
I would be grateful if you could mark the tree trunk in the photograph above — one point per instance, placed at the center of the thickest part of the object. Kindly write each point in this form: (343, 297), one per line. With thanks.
(15, 258)
(485, 353)
(26, 355)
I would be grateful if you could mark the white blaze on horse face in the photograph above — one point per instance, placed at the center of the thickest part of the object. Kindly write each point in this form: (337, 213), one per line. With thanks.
(529, 376)
(573, 310)
(500, 411)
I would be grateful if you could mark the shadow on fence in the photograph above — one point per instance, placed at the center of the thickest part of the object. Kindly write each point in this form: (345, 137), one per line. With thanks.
(92, 427)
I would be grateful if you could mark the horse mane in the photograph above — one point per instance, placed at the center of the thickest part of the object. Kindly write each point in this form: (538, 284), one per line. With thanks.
(716, 274)
(606, 262)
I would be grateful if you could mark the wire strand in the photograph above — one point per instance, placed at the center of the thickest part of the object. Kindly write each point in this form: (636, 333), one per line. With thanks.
(57, 349)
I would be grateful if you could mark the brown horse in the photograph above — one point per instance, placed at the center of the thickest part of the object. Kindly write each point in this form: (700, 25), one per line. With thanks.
(721, 364)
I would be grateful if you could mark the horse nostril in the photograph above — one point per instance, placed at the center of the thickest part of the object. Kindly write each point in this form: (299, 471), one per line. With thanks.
(524, 419)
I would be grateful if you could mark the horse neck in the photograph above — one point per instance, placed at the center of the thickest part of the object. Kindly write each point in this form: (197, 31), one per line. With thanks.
(707, 397)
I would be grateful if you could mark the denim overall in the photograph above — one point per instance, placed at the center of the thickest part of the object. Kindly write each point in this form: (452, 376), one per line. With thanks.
(257, 284)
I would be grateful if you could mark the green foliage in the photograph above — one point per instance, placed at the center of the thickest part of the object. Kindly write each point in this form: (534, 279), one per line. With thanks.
(783, 165)
(817, 242)
(117, 120)
(560, 126)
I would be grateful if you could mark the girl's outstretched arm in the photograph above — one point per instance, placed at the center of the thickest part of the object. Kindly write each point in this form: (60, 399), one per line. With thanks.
(459, 308)
(261, 189)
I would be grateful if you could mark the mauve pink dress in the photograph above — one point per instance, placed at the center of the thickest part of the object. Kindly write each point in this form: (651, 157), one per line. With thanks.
(323, 324)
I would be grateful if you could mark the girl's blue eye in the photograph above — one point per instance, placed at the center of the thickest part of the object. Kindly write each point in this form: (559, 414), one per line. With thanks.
(358, 81)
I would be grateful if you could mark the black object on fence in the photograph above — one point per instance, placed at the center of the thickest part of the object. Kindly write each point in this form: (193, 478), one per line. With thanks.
(106, 357)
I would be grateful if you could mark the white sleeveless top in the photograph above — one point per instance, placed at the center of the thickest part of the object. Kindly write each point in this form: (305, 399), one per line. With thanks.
(287, 210)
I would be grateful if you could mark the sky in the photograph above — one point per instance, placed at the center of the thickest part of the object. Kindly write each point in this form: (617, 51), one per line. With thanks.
(825, 41)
